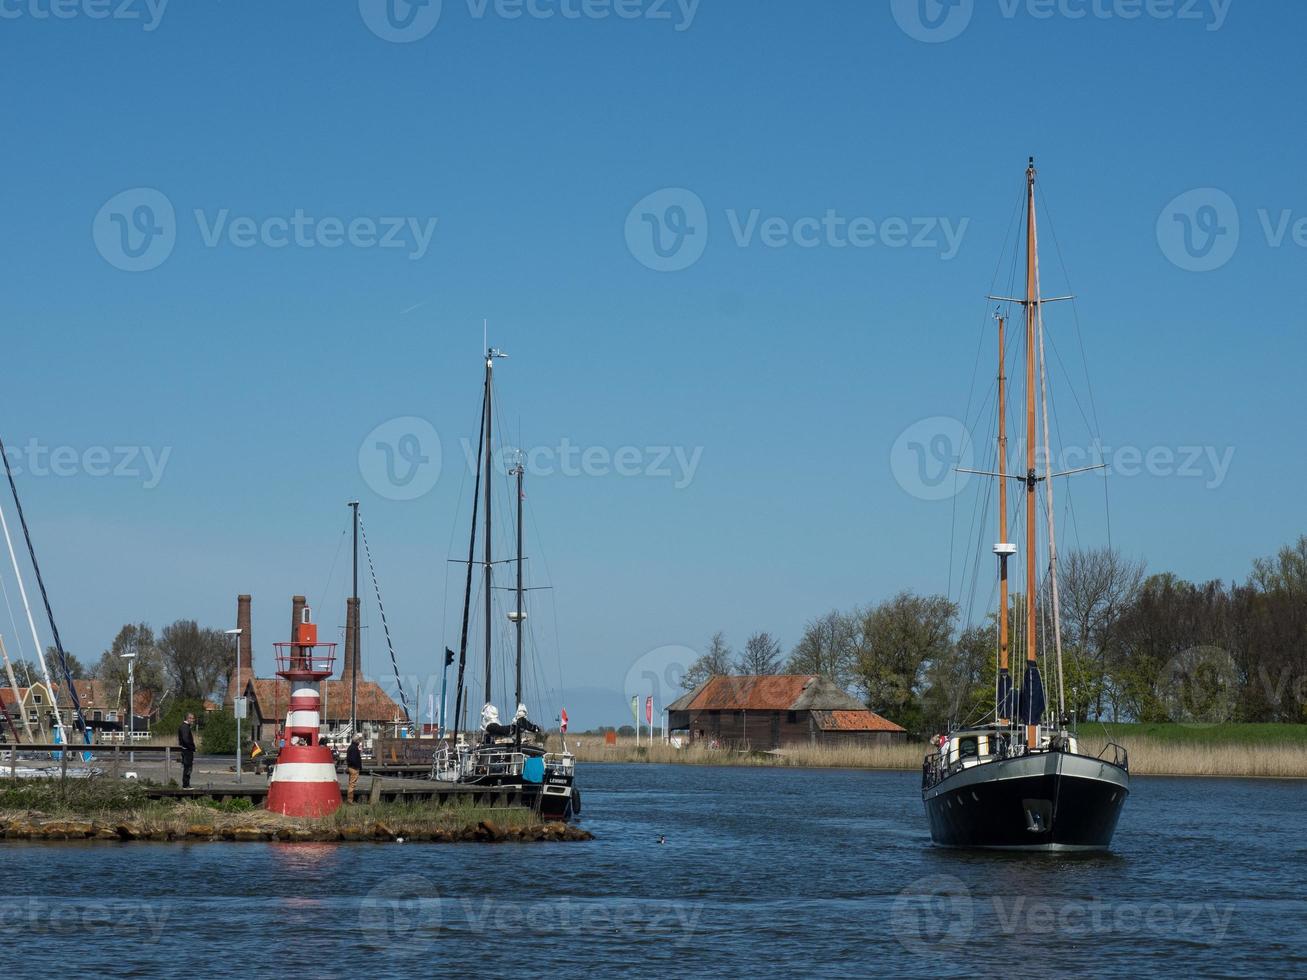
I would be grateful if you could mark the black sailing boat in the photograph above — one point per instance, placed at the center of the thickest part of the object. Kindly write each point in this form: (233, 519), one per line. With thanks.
(511, 756)
(1021, 781)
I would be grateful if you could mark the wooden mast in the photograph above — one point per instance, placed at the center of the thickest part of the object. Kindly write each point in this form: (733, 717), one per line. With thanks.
(1032, 314)
(1005, 683)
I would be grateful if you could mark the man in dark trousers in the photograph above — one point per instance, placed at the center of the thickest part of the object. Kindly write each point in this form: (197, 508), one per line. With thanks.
(186, 742)
(353, 765)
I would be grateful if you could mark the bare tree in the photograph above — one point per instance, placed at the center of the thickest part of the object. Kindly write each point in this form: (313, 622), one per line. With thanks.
(194, 659)
(137, 638)
(715, 662)
(827, 647)
(762, 655)
(1098, 586)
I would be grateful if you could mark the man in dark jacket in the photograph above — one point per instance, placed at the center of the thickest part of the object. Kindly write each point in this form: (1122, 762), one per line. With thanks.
(186, 742)
(353, 765)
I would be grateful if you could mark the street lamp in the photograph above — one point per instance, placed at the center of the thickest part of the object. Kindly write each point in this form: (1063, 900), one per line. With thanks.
(131, 705)
(237, 701)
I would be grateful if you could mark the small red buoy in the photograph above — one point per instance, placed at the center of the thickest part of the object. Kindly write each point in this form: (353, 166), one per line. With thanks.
(304, 782)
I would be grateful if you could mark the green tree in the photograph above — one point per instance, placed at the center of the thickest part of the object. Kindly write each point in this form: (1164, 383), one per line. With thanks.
(218, 733)
(897, 641)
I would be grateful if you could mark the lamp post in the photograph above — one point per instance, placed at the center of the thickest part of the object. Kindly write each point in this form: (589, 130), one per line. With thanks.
(237, 699)
(131, 705)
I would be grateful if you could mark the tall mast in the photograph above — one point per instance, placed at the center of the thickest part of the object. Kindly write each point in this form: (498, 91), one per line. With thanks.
(1032, 313)
(490, 363)
(1052, 534)
(518, 613)
(1004, 677)
(459, 691)
(491, 354)
(354, 666)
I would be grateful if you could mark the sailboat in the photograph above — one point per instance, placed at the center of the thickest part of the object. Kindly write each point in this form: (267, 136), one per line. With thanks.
(508, 756)
(1022, 781)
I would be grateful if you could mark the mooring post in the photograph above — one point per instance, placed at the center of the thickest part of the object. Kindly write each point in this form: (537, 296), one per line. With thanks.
(117, 772)
(63, 775)
(375, 795)
(167, 764)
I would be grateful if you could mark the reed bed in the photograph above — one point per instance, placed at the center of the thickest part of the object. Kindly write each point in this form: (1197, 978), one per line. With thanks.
(1148, 756)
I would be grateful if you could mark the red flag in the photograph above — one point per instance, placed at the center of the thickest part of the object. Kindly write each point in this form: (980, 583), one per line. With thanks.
(648, 710)
(562, 721)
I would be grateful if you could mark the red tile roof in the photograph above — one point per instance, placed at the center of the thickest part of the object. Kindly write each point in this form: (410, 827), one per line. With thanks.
(774, 692)
(854, 721)
(374, 704)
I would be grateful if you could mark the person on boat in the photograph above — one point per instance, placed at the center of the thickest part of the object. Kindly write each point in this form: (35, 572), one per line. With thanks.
(490, 724)
(353, 765)
(522, 723)
(186, 742)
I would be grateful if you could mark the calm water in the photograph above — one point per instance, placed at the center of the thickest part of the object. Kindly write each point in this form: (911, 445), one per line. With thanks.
(763, 871)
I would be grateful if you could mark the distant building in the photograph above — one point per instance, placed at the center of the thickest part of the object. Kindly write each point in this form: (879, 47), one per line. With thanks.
(378, 714)
(269, 698)
(776, 711)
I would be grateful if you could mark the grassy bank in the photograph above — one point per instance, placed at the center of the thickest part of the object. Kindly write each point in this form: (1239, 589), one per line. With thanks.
(107, 810)
(1239, 754)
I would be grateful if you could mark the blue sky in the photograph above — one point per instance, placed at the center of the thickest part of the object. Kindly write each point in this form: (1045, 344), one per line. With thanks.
(783, 360)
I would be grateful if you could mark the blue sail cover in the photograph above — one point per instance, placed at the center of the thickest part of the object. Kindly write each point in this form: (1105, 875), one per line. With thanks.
(1004, 700)
(1030, 702)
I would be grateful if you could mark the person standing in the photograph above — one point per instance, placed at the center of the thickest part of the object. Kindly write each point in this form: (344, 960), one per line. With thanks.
(353, 765)
(186, 742)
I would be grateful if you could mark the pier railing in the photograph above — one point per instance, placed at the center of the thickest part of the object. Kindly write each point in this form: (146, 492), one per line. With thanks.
(61, 756)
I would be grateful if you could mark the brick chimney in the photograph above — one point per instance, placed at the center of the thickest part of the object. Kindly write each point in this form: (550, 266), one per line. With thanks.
(297, 604)
(245, 651)
(351, 655)
(246, 642)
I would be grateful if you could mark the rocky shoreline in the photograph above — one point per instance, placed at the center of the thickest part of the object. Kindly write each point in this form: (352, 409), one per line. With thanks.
(33, 825)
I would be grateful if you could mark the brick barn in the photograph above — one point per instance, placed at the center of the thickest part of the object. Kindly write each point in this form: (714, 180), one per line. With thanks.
(775, 711)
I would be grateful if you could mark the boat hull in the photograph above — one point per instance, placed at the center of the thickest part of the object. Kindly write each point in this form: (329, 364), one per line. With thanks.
(1045, 801)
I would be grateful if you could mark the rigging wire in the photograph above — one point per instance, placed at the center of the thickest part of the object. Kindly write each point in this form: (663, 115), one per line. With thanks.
(385, 626)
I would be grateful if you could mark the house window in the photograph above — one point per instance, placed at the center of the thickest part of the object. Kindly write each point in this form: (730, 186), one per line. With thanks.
(792, 717)
(97, 716)
(36, 698)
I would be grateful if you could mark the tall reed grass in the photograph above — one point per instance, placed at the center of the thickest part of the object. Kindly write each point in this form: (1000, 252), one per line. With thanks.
(1148, 756)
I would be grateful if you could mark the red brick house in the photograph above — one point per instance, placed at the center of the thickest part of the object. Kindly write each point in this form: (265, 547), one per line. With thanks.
(775, 711)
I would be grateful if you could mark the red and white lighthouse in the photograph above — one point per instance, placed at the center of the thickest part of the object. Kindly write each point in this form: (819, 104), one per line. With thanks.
(304, 782)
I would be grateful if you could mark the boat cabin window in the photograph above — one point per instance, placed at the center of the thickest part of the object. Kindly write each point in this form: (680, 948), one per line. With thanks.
(967, 748)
